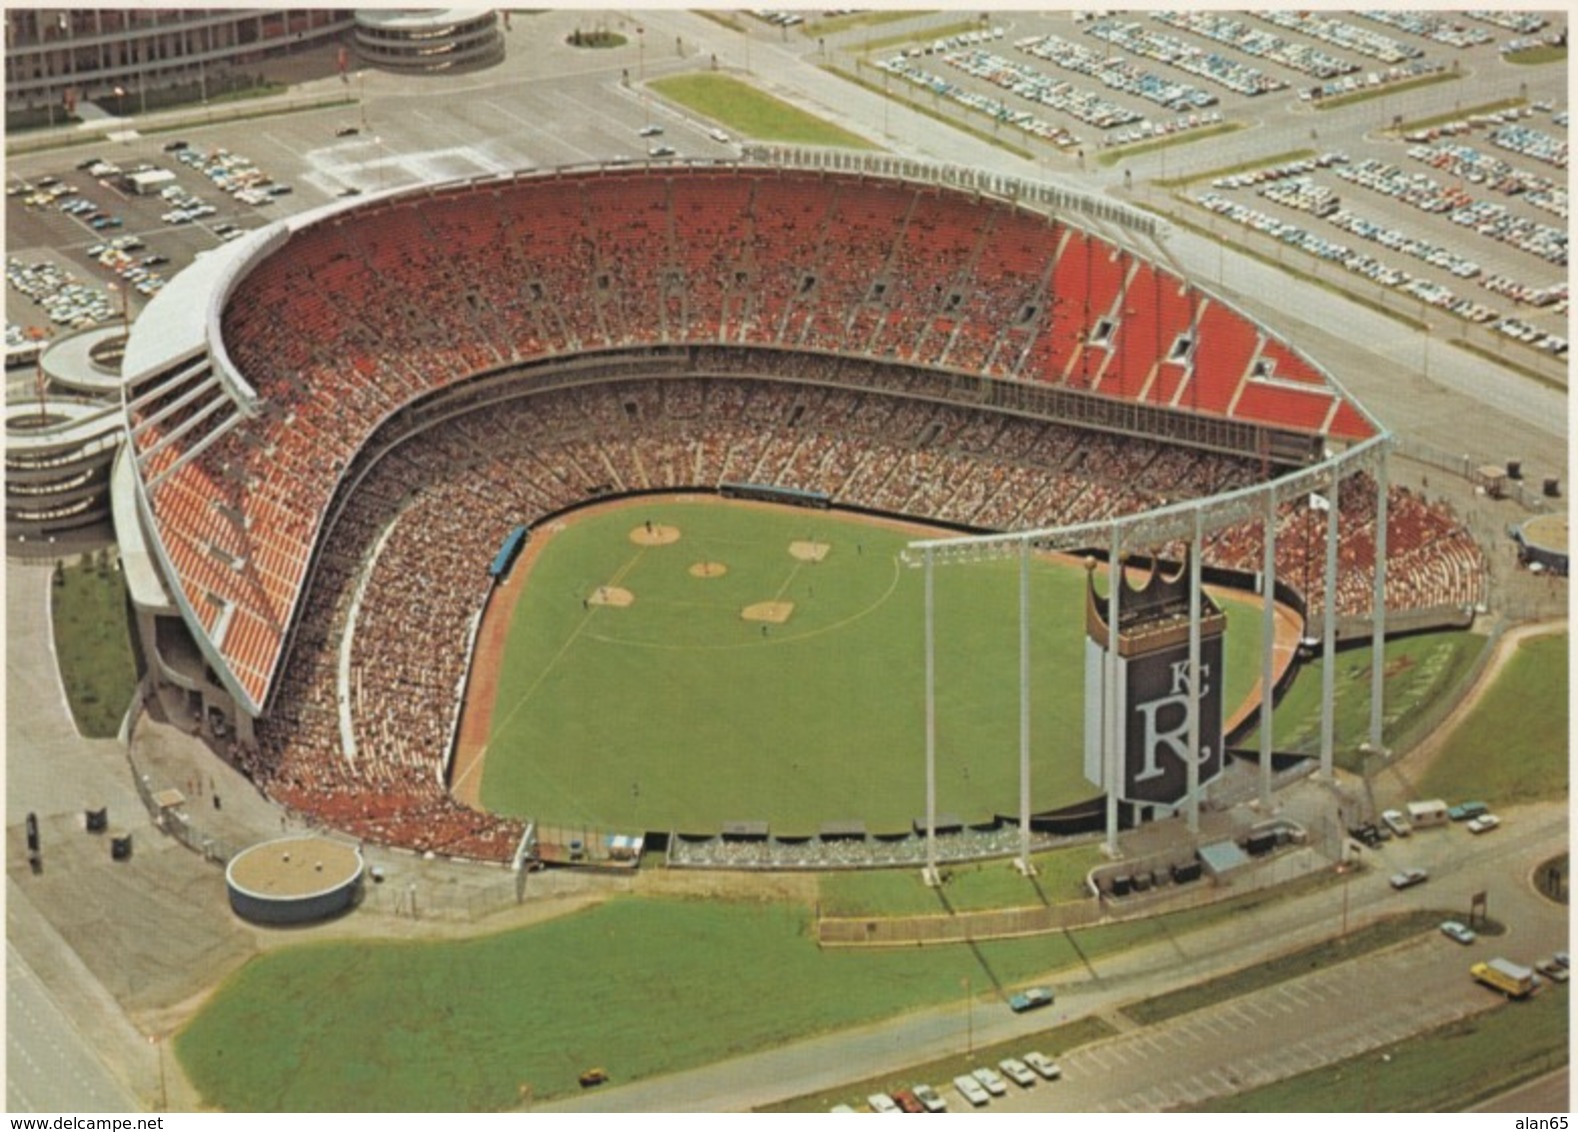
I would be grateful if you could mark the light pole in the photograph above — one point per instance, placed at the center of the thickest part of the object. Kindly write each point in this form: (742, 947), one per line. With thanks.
(969, 1021)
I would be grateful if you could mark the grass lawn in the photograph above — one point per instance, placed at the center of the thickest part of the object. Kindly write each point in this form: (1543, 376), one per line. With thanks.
(638, 986)
(1513, 747)
(1535, 56)
(93, 647)
(1337, 101)
(1123, 152)
(641, 987)
(1060, 877)
(1446, 1070)
(748, 112)
(701, 717)
(1420, 671)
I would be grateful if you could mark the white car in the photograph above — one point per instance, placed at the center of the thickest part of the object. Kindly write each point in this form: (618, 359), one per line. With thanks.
(970, 1089)
(881, 1102)
(930, 1098)
(1397, 823)
(991, 1081)
(718, 135)
(1017, 1072)
(651, 130)
(1043, 1065)
(1484, 823)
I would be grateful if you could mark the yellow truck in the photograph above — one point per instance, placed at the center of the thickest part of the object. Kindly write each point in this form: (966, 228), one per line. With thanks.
(1509, 978)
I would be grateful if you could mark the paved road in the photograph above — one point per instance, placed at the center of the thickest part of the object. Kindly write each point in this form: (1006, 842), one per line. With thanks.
(532, 112)
(1286, 1029)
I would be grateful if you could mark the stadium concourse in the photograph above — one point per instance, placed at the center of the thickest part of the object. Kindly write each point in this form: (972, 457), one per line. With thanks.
(389, 388)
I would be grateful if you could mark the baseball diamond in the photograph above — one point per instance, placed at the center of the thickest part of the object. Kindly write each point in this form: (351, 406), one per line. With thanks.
(884, 343)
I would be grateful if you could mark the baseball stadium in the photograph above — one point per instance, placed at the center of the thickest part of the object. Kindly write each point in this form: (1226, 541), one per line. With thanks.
(725, 629)
(755, 377)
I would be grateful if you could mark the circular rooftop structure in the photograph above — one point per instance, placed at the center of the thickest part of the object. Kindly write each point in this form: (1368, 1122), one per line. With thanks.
(428, 39)
(294, 880)
(1544, 541)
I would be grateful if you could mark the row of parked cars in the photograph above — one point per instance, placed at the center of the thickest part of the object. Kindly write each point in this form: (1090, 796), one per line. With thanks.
(977, 1087)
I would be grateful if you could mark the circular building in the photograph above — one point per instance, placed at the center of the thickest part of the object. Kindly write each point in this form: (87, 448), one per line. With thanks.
(1543, 543)
(294, 880)
(428, 39)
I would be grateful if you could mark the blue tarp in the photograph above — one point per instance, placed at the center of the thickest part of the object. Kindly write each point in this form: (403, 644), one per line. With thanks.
(506, 555)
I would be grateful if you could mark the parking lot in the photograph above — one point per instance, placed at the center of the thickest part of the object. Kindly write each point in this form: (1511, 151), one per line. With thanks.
(1466, 216)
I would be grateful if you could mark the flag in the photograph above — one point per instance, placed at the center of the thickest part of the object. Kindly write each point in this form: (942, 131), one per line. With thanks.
(1319, 502)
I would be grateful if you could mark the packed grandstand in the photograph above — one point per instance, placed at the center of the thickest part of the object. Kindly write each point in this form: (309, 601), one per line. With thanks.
(425, 372)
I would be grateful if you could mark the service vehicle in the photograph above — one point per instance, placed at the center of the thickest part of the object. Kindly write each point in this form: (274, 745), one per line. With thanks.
(1423, 815)
(1043, 1065)
(1512, 979)
(592, 1077)
(970, 1089)
(1408, 878)
(1017, 1072)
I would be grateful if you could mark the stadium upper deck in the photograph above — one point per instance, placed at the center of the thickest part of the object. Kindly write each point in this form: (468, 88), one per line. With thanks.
(256, 377)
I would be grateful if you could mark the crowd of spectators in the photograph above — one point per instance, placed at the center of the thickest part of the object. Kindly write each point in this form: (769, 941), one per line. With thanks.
(860, 304)
(409, 551)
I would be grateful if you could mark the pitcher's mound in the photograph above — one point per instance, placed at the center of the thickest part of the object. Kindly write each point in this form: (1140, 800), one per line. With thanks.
(708, 569)
(617, 596)
(772, 612)
(654, 534)
(809, 551)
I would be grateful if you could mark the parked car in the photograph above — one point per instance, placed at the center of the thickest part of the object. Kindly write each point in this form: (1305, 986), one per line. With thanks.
(661, 151)
(1452, 929)
(929, 1098)
(1043, 1065)
(881, 1102)
(1409, 877)
(1463, 811)
(650, 130)
(1551, 969)
(593, 1077)
(347, 132)
(1017, 1072)
(175, 146)
(908, 1101)
(991, 1082)
(1484, 823)
(1030, 999)
(1396, 822)
(970, 1089)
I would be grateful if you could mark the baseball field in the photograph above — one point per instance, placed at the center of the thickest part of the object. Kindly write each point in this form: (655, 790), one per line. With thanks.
(682, 663)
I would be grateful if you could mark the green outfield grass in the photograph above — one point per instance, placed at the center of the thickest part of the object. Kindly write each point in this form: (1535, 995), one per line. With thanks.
(1421, 671)
(674, 713)
(1513, 746)
(748, 112)
(1060, 877)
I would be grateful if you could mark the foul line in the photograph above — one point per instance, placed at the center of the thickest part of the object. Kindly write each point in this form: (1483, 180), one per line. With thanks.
(552, 664)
